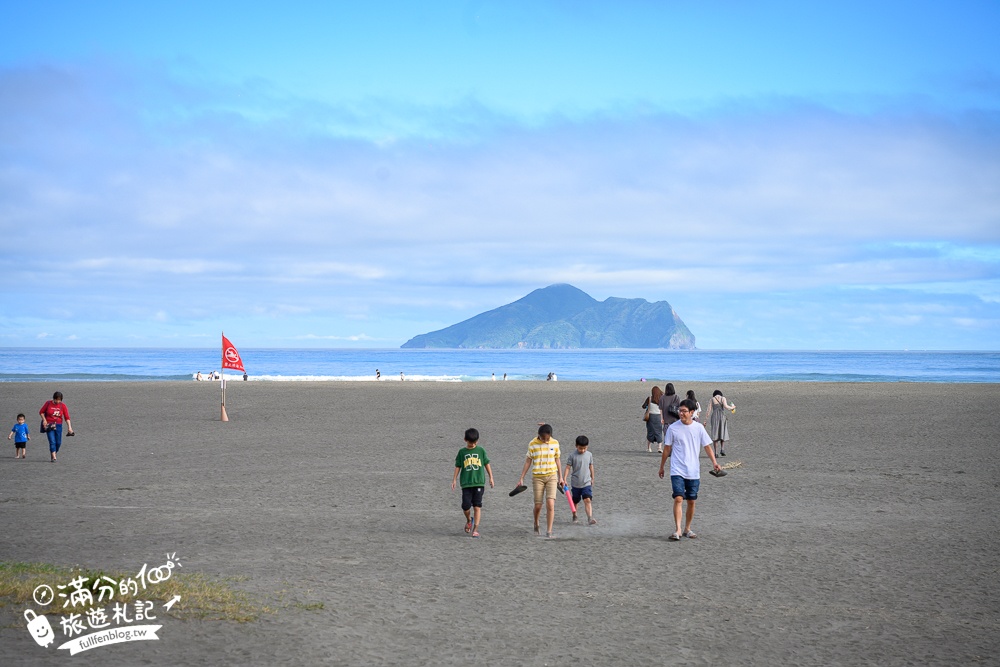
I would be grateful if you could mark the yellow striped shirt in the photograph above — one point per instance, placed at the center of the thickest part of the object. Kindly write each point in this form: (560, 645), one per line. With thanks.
(543, 457)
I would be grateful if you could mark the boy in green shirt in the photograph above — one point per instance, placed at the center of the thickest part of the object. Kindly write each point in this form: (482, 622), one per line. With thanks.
(473, 466)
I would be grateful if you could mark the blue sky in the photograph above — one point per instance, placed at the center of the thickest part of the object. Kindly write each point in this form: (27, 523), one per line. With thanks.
(787, 175)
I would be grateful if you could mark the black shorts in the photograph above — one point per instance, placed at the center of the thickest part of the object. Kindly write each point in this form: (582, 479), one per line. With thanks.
(472, 496)
(20, 445)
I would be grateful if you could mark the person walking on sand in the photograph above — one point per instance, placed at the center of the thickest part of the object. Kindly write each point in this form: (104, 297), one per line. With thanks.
(718, 421)
(53, 414)
(546, 474)
(20, 435)
(654, 420)
(471, 468)
(681, 445)
(581, 464)
(668, 408)
(697, 413)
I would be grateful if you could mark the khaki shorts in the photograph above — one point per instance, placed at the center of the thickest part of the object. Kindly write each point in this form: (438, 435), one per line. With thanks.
(545, 486)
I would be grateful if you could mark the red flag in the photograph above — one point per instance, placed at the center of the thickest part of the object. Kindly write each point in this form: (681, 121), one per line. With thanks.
(230, 357)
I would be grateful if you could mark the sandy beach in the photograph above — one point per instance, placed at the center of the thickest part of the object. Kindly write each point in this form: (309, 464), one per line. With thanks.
(862, 527)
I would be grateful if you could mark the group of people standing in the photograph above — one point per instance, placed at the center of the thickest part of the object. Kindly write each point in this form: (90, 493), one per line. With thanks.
(54, 413)
(662, 410)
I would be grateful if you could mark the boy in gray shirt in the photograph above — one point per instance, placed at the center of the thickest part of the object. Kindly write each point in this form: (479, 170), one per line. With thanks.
(581, 463)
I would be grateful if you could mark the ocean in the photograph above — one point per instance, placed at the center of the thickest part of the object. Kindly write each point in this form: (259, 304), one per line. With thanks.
(157, 364)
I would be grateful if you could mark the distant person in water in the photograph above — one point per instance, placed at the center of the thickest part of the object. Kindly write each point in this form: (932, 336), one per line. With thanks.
(244, 376)
(198, 377)
(378, 375)
(401, 378)
(504, 377)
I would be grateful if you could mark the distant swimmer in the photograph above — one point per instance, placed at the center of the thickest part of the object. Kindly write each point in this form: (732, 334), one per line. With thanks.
(378, 375)
(504, 377)
(244, 376)
(198, 377)
(401, 378)
(551, 377)
(493, 376)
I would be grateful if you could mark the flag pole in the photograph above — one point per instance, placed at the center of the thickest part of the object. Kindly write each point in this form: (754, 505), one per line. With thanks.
(222, 375)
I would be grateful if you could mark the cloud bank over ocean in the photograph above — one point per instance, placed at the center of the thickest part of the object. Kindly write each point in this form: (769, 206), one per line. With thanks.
(144, 202)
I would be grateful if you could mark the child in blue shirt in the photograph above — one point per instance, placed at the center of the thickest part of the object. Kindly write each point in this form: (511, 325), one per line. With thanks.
(20, 435)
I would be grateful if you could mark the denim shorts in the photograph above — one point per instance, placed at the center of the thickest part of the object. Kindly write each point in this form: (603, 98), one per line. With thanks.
(472, 496)
(685, 488)
(582, 492)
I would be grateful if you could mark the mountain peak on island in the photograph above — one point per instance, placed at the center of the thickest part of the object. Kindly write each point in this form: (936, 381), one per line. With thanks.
(564, 316)
(560, 300)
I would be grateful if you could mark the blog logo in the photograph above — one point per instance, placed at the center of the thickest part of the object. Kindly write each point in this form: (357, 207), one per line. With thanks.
(39, 628)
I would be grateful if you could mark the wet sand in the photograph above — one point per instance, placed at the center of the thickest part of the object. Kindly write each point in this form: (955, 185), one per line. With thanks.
(862, 527)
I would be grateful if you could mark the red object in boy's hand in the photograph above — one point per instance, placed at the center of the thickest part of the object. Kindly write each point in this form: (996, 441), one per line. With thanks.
(569, 497)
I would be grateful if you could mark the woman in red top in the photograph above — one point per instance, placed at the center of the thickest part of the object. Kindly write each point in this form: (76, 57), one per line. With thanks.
(53, 413)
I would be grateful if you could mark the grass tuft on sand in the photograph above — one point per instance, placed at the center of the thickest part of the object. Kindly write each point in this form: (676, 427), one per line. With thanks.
(202, 597)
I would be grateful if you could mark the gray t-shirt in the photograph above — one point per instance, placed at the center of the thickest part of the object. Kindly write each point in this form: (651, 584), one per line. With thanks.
(580, 465)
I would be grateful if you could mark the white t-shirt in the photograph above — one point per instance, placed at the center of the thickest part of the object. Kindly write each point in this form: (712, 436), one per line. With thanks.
(687, 442)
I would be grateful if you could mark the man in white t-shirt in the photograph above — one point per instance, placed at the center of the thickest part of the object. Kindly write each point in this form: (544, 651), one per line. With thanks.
(681, 443)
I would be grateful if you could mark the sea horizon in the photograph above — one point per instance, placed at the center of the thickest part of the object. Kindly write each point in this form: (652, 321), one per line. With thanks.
(44, 364)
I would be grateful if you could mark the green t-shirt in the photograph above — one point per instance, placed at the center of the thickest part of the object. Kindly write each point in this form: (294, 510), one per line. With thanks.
(473, 464)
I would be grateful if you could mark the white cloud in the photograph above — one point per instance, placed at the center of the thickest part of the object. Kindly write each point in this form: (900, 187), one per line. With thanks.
(148, 265)
(354, 339)
(173, 198)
